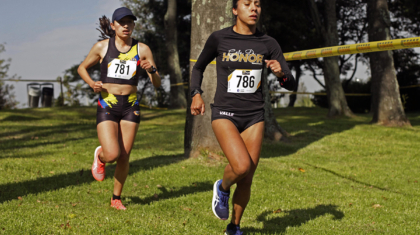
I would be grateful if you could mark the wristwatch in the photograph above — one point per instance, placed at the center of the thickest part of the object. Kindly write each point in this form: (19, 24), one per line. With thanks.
(153, 70)
(195, 92)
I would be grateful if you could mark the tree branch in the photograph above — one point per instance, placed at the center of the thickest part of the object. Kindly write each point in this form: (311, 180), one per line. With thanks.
(314, 75)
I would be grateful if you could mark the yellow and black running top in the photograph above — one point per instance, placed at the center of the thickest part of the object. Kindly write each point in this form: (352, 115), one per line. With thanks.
(121, 67)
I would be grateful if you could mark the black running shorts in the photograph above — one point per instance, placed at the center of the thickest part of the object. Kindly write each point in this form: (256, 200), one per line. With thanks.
(242, 120)
(117, 107)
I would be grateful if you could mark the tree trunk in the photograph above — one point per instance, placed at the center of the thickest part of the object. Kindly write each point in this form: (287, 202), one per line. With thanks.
(386, 102)
(206, 17)
(329, 33)
(178, 99)
(272, 130)
(293, 97)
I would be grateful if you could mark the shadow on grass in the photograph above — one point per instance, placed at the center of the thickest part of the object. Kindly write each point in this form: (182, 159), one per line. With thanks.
(306, 125)
(12, 191)
(59, 113)
(157, 114)
(36, 144)
(352, 179)
(44, 132)
(414, 118)
(17, 118)
(168, 193)
(293, 218)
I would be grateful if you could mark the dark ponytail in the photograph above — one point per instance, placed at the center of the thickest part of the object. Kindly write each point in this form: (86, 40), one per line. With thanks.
(105, 29)
(234, 6)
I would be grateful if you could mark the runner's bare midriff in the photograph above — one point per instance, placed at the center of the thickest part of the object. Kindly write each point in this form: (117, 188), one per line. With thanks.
(119, 89)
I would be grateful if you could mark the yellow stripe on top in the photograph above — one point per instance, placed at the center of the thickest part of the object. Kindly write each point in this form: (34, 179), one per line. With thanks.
(230, 77)
(130, 54)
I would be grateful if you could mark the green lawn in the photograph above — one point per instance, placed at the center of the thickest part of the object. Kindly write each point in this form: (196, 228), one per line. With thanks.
(336, 176)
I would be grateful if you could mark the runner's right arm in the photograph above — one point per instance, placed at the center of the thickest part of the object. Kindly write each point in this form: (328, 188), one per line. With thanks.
(207, 55)
(94, 56)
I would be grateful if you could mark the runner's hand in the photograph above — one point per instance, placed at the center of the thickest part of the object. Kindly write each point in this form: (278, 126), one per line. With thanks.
(146, 65)
(275, 67)
(97, 87)
(197, 105)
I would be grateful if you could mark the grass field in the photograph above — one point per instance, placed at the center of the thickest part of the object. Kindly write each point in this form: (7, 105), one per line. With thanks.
(336, 176)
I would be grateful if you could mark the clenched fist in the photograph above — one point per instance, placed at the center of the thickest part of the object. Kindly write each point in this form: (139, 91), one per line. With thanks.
(146, 65)
(275, 67)
(97, 87)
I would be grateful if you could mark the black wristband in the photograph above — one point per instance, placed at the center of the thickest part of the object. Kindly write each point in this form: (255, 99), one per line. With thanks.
(195, 92)
(153, 70)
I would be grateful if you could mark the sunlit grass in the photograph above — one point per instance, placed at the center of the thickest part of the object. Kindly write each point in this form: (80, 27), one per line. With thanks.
(335, 176)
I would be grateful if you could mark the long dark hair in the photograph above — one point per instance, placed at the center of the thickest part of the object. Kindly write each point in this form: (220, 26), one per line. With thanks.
(105, 29)
(234, 6)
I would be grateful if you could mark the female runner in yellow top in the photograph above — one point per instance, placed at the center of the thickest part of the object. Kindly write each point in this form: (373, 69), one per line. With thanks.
(118, 112)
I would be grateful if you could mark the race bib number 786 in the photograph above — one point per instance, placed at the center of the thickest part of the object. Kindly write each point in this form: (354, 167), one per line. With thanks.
(244, 81)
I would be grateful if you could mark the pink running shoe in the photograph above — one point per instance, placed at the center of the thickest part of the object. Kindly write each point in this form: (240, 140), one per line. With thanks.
(117, 204)
(98, 167)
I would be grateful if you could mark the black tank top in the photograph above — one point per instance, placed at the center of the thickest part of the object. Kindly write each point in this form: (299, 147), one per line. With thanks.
(121, 68)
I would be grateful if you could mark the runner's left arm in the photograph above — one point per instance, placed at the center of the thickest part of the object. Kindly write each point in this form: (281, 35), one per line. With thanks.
(148, 63)
(279, 67)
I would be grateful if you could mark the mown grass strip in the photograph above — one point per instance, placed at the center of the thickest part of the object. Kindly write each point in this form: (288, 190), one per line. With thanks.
(336, 176)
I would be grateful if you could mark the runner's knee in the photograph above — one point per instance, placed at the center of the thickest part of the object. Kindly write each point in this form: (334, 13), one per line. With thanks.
(124, 157)
(111, 156)
(242, 169)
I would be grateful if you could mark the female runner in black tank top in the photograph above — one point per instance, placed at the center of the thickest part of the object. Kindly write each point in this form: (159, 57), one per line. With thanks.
(241, 52)
(118, 115)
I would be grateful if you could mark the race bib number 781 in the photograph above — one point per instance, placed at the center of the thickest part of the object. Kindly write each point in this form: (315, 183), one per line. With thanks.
(122, 69)
(244, 81)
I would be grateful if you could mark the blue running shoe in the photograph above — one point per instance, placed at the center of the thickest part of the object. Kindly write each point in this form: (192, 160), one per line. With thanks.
(233, 230)
(220, 203)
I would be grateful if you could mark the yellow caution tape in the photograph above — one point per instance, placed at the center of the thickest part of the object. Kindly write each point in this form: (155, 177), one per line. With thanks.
(314, 93)
(213, 62)
(412, 86)
(323, 93)
(367, 47)
(179, 84)
(145, 106)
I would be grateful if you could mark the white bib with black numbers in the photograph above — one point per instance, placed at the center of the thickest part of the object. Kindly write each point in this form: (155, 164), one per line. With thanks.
(244, 81)
(122, 69)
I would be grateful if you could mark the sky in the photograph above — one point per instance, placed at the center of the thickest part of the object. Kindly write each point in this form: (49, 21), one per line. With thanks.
(45, 37)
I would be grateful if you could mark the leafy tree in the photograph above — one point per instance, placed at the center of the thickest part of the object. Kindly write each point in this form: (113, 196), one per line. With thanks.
(287, 22)
(291, 24)
(178, 99)
(7, 97)
(406, 17)
(405, 22)
(76, 88)
(164, 40)
(327, 28)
